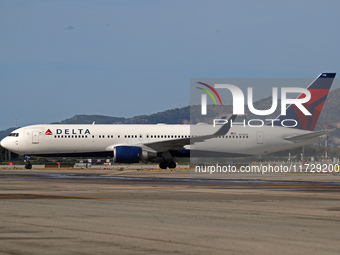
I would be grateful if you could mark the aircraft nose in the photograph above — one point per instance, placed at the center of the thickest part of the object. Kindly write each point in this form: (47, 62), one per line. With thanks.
(5, 143)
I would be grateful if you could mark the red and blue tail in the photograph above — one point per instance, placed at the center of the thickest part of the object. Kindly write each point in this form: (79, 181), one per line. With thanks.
(319, 90)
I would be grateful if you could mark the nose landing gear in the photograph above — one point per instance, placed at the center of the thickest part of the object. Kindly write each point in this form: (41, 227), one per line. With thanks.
(28, 164)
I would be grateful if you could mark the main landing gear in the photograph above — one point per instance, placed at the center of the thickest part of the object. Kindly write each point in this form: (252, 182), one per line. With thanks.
(168, 161)
(165, 165)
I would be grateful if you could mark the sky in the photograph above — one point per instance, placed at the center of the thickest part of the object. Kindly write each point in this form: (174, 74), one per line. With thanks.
(124, 58)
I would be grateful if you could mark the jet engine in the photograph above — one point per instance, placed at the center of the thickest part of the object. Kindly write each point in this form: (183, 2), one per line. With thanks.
(131, 154)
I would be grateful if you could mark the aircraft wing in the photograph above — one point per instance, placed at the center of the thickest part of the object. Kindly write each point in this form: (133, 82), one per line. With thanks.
(178, 144)
(308, 136)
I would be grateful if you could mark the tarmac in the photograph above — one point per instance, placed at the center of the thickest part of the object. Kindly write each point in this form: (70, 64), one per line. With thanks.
(131, 211)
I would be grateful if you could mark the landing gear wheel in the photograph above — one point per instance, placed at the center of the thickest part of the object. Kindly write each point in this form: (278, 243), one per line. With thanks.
(163, 165)
(172, 164)
(28, 165)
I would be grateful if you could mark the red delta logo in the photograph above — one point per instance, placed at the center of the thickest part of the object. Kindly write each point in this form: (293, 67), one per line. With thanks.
(48, 132)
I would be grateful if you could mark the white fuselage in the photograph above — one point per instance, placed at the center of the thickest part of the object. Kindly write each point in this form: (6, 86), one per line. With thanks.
(101, 139)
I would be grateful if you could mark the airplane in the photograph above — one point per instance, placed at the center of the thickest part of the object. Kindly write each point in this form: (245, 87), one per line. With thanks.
(134, 143)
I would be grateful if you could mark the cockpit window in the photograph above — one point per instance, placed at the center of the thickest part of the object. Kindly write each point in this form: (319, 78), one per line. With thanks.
(14, 134)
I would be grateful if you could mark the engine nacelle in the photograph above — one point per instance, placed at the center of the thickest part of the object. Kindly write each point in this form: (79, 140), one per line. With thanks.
(131, 154)
(127, 154)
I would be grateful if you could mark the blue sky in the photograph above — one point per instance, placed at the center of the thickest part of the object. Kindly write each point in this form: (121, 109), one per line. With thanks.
(126, 58)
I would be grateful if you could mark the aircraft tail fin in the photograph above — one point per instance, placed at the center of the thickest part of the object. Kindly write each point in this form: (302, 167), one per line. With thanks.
(319, 90)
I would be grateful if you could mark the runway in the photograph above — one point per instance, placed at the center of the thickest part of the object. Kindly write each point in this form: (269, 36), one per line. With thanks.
(152, 212)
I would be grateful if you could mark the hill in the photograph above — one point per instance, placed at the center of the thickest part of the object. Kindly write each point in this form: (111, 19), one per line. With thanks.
(173, 116)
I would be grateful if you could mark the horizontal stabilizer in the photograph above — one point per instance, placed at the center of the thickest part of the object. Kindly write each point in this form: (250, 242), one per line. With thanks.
(307, 136)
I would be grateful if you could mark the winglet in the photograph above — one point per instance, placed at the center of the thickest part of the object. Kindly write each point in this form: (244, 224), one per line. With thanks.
(226, 127)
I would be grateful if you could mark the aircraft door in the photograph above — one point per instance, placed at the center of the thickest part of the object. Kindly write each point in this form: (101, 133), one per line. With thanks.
(259, 137)
(35, 137)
